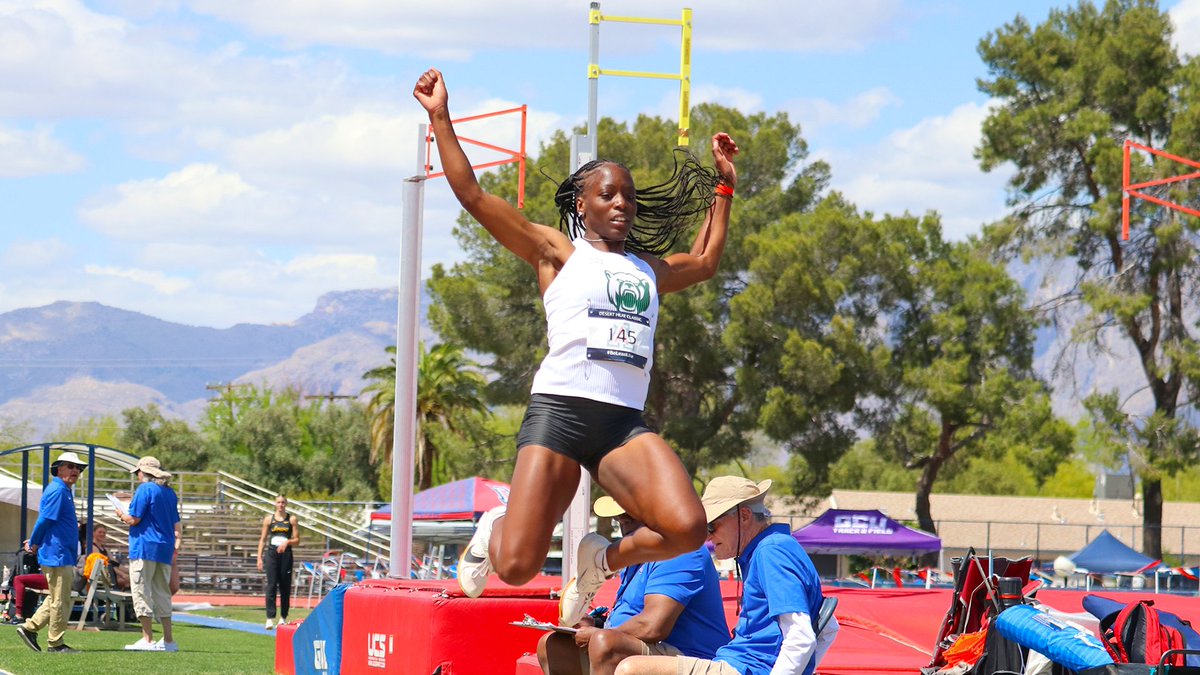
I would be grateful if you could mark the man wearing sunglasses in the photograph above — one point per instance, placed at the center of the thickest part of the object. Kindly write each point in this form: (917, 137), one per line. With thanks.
(776, 633)
(668, 607)
(55, 540)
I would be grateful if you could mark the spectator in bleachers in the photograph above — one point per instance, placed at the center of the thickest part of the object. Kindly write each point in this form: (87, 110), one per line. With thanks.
(119, 577)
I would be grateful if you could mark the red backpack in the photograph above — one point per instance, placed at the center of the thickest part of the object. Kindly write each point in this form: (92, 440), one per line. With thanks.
(1137, 635)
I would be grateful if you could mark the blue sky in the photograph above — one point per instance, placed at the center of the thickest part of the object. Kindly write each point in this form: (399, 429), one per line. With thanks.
(214, 162)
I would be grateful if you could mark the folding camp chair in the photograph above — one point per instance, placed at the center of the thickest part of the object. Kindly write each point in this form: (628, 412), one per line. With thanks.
(103, 599)
(975, 593)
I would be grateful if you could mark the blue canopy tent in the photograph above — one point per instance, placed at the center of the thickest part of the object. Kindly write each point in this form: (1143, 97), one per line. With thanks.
(1107, 555)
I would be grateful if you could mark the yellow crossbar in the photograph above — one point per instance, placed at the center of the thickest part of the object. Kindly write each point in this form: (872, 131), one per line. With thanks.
(684, 76)
(635, 73)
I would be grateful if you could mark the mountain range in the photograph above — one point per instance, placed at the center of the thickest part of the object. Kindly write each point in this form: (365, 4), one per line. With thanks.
(75, 360)
(71, 361)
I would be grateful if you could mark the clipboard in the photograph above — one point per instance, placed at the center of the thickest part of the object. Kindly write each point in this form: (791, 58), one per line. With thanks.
(530, 622)
(118, 503)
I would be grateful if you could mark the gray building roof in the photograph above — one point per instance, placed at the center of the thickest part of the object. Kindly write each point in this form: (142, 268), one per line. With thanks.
(1044, 527)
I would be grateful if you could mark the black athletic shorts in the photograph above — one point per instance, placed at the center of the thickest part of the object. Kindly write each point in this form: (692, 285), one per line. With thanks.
(579, 428)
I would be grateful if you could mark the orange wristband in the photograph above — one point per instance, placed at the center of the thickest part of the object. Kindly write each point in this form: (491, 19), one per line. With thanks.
(724, 190)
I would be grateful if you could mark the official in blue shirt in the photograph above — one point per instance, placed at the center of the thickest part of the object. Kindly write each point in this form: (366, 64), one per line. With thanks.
(670, 607)
(776, 633)
(153, 521)
(55, 539)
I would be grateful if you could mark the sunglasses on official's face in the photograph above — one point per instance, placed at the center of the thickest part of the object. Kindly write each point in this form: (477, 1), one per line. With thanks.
(712, 527)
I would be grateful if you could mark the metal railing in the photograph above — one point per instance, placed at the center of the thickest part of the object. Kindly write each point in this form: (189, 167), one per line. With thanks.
(347, 534)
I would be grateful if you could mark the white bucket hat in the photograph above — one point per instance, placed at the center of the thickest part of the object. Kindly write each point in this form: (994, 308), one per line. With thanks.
(67, 457)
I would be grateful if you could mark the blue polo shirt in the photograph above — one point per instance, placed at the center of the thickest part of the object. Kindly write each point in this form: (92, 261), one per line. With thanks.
(56, 532)
(779, 579)
(154, 537)
(692, 581)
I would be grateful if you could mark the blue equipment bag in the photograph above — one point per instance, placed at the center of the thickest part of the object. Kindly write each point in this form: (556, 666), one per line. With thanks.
(1060, 642)
(317, 643)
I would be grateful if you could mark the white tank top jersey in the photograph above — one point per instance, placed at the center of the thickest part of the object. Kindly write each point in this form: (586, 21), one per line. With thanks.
(601, 312)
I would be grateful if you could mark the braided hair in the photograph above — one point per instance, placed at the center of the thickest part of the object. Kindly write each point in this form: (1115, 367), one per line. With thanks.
(664, 211)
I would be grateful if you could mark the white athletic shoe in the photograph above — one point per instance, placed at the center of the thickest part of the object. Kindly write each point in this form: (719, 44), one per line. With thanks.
(269, 625)
(164, 646)
(143, 646)
(578, 593)
(474, 567)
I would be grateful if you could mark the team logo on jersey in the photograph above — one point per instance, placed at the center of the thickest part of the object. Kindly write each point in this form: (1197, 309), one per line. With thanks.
(627, 292)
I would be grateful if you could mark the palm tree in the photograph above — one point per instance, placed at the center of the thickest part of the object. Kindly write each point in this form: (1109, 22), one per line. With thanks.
(448, 385)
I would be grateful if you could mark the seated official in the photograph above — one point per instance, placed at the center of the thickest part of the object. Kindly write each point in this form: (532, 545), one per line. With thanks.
(776, 633)
(671, 607)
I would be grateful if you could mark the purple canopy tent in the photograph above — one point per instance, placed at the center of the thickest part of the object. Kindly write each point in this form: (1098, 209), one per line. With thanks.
(845, 532)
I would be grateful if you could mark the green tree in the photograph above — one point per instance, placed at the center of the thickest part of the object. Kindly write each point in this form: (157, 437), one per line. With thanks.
(14, 433)
(307, 448)
(145, 431)
(960, 374)
(852, 323)
(490, 303)
(1069, 92)
(449, 388)
(804, 332)
(101, 430)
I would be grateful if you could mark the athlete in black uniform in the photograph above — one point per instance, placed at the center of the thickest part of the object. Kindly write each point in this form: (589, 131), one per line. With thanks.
(279, 534)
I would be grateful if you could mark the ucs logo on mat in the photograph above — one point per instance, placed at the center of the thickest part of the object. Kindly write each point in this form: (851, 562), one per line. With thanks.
(379, 645)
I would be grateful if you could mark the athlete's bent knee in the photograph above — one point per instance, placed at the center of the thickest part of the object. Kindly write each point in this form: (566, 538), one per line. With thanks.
(517, 572)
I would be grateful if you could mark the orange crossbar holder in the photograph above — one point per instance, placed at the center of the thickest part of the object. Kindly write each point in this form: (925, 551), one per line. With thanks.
(1135, 189)
(514, 156)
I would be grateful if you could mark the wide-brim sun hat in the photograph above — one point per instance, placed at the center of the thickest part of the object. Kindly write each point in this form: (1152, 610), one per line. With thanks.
(151, 467)
(607, 507)
(725, 492)
(67, 457)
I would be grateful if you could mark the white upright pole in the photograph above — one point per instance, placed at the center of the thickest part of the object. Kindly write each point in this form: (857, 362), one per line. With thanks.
(577, 519)
(407, 322)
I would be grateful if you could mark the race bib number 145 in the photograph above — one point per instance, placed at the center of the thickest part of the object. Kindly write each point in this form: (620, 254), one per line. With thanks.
(619, 336)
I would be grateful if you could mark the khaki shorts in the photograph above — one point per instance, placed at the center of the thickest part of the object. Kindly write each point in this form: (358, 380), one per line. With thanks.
(648, 649)
(150, 583)
(659, 649)
(693, 666)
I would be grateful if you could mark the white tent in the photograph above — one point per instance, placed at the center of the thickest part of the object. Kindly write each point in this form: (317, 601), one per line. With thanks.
(10, 492)
(10, 512)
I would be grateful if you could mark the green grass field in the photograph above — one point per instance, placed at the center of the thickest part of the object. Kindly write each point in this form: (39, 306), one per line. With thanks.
(254, 615)
(202, 650)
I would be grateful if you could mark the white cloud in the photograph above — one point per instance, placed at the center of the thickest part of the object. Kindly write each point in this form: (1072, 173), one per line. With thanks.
(1186, 17)
(42, 254)
(199, 200)
(926, 167)
(730, 97)
(855, 113)
(35, 152)
(158, 281)
(332, 264)
(460, 28)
